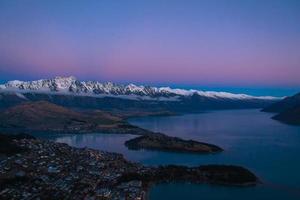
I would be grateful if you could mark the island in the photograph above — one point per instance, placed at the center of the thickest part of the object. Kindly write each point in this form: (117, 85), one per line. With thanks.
(161, 142)
(45, 169)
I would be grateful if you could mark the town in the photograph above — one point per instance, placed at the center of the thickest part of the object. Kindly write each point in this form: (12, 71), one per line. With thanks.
(57, 171)
(41, 169)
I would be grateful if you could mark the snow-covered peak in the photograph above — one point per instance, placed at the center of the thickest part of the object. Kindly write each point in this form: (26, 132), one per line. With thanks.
(64, 80)
(14, 83)
(177, 91)
(71, 85)
(55, 84)
(63, 83)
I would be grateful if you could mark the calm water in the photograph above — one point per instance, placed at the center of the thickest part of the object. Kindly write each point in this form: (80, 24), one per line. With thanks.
(250, 138)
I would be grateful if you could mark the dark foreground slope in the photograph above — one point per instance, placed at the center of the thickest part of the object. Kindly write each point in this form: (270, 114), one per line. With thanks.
(8, 146)
(49, 170)
(288, 110)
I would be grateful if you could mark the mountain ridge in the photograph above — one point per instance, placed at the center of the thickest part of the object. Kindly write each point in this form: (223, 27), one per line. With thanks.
(70, 85)
(71, 93)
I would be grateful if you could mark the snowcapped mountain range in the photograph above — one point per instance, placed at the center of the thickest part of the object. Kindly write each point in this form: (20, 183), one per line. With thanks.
(72, 86)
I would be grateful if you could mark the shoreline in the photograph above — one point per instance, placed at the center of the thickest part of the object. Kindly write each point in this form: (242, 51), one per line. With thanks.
(145, 139)
(105, 172)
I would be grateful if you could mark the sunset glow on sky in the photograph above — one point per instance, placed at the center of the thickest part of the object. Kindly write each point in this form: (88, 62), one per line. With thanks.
(180, 42)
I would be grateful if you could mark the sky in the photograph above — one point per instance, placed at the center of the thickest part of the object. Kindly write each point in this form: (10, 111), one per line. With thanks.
(251, 45)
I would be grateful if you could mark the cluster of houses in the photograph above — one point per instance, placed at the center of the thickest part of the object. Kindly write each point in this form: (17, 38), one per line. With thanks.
(49, 170)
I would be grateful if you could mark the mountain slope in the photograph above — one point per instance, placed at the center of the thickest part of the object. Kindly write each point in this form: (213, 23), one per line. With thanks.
(45, 116)
(290, 116)
(285, 104)
(288, 110)
(194, 103)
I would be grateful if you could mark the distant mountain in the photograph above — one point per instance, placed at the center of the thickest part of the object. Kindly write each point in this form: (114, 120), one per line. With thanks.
(288, 110)
(285, 104)
(290, 116)
(45, 116)
(68, 91)
(70, 85)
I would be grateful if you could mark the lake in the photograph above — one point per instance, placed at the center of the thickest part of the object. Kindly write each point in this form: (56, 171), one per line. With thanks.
(250, 138)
